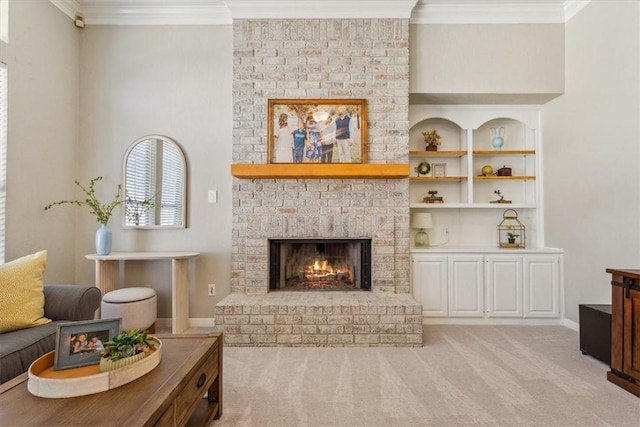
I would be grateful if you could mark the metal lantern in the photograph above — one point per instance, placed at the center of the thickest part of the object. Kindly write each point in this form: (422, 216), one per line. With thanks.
(511, 233)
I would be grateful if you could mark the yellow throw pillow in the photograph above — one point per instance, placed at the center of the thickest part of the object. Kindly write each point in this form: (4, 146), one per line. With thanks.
(21, 293)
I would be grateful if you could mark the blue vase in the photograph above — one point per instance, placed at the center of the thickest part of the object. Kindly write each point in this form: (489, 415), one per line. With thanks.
(103, 240)
(498, 138)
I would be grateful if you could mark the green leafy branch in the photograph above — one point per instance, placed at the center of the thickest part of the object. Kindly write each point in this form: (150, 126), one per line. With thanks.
(101, 211)
(134, 209)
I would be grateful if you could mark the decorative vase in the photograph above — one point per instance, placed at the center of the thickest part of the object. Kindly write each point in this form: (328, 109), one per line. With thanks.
(110, 365)
(103, 240)
(498, 138)
(432, 148)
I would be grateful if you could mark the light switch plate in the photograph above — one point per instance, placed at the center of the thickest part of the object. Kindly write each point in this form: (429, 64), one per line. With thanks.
(212, 196)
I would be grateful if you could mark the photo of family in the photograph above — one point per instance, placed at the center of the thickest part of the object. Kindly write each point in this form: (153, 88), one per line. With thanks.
(80, 343)
(87, 343)
(317, 131)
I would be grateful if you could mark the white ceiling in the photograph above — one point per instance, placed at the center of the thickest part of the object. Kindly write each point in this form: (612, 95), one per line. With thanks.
(193, 12)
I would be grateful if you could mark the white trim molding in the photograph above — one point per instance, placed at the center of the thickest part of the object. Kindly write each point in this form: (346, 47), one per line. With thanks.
(488, 12)
(571, 324)
(212, 12)
(571, 7)
(164, 323)
(148, 12)
(325, 9)
(71, 8)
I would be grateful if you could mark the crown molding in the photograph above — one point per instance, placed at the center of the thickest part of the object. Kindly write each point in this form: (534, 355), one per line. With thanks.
(572, 7)
(496, 11)
(71, 8)
(149, 12)
(211, 12)
(325, 9)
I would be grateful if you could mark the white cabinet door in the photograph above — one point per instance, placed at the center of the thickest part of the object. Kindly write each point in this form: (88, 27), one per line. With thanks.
(504, 286)
(466, 287)
(541, 295)
(429, 279)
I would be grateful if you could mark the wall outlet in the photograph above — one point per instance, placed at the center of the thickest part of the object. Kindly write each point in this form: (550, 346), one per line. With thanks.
(212, 290)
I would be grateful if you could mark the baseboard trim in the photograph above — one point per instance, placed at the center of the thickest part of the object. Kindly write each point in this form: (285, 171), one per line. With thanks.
(480, 322)
(194, 322)
(571, 324)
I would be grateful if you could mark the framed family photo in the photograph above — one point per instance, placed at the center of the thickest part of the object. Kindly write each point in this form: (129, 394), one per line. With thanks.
(317, 130)
(80, 343)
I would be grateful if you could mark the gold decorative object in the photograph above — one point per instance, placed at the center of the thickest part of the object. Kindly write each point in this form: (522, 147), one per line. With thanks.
(511, 232)
(487, 170)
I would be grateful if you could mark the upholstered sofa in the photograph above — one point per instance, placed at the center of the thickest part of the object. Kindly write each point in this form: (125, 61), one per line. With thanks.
(62, 303)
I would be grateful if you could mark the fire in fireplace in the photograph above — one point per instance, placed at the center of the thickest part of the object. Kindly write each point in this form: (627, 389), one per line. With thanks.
(320, 264)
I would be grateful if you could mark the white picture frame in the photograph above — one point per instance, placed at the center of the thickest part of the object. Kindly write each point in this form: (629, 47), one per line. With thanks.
(439, 170)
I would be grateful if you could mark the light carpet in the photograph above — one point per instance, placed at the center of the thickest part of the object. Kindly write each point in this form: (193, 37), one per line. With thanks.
(462, 376)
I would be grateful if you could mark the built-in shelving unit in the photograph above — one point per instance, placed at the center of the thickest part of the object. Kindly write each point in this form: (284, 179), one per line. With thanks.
(469, 211)
(464, 276)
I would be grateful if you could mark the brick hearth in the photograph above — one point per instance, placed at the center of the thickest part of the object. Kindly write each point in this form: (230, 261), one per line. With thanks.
(321, 318)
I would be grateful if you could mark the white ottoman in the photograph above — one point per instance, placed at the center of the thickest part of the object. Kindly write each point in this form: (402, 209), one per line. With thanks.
(136, 306)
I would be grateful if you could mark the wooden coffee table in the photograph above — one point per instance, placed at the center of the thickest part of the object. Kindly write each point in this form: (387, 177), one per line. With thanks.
(170, 395)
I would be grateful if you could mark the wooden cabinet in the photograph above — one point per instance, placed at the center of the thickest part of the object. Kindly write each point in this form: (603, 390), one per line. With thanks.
(496, 285)
(625, 329)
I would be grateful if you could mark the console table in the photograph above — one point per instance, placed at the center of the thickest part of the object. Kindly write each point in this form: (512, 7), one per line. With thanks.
(108, 272)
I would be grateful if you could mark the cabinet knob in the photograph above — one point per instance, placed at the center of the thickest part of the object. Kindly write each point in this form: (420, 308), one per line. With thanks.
(202, 380)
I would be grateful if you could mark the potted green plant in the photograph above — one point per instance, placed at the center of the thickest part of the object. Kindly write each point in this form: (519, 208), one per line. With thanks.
(102, 212)
(126, 348)
(512, 237)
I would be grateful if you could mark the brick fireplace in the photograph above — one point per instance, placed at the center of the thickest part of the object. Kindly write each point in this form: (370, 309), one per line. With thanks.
(325, 58)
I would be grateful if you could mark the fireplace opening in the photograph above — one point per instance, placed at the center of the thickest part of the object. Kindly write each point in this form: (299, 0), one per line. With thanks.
(320, 264)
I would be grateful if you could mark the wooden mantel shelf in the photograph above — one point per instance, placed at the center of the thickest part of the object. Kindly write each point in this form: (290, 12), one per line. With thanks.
(319, 170)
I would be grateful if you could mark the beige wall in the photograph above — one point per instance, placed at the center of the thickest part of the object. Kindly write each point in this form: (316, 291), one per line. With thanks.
(42, 62)
(592, 152)
(173, 81)
(449, 60)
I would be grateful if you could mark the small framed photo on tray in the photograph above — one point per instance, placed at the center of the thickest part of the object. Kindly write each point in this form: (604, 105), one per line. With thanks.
(80, 343)
(439, 170)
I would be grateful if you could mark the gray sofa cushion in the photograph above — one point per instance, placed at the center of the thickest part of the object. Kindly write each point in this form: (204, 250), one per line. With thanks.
(18, 349)
(62, 303)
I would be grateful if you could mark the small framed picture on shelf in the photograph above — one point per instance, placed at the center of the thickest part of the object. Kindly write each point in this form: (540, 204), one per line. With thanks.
(439, 170)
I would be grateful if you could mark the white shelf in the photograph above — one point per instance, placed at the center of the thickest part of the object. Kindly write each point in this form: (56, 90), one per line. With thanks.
(483, 249)
(472, 206)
